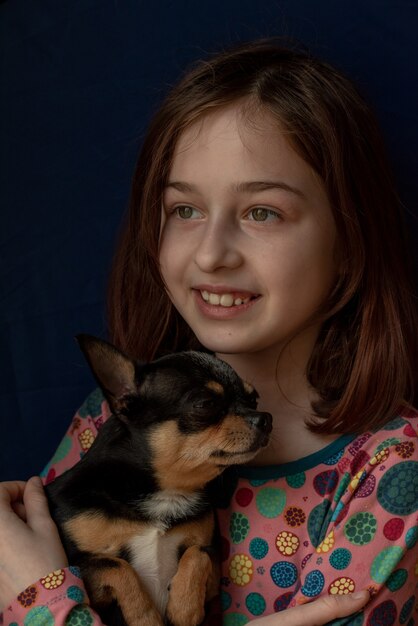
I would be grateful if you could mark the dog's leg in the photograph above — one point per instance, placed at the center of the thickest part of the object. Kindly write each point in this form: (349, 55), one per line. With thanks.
(188, 589)
(109, 579)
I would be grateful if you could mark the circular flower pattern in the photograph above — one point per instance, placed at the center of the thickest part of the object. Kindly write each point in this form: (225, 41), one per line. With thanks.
(333, 460)
(411, 537)
(325, 482)
(379, 457)
(75, 593)
(360, 528)
(398, 488)
(79, 616)
(366, 488)
(340, 558)
(383, 615)
(283, 601)
(39, 616)
(287, 543)
(54, 579)
(394, 528)
(258, 548)
(341, 586)
(405, 449)
(244, 496)
(284, 574)
(296, 481)
(86, 438)
(28, 596)
(327, 544)
(314, 584)
(317, 520)
(397, 579)
(359, 461)
(271, 501)
(294, 516)
(239, 527)
(406, 610)
(241, 569)
(385, 562)
(255, 603)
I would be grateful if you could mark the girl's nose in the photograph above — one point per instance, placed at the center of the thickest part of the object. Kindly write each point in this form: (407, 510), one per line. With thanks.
(218, 248)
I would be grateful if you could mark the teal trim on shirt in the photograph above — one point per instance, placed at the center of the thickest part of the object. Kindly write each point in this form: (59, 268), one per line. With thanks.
(267, 472)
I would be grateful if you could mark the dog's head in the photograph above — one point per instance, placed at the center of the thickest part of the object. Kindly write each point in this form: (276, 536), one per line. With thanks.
(191, 411)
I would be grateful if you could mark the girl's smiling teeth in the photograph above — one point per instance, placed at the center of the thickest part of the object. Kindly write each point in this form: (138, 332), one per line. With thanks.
(224, 299)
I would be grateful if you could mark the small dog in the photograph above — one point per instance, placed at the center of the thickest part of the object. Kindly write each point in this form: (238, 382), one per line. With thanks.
(135, 514)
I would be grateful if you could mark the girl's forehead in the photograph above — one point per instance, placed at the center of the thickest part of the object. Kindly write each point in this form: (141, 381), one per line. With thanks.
(226, 123)
(240, 143)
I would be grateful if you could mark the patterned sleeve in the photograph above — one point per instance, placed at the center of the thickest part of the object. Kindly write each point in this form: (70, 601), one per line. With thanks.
(60, 598)
(372, 532)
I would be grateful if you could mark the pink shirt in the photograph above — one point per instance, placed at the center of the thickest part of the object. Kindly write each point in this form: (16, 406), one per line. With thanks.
(342, 519)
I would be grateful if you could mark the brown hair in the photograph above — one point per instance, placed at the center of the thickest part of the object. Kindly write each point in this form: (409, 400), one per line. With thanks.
(364, 361)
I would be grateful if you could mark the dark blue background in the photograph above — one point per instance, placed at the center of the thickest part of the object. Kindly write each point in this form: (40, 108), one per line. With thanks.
(79, 81)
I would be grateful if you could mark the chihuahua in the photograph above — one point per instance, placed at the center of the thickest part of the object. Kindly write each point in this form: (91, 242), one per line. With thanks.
(135, 513)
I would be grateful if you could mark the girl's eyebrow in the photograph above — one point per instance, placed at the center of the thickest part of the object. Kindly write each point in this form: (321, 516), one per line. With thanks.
(244, 187)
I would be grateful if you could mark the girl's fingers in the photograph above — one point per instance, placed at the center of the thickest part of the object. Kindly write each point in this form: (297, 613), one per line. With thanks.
(11, 491)
(324, 610)
(36, 504)
(19, 509)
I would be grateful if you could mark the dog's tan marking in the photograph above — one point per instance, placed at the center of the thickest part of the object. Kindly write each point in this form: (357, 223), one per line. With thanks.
(95, 533)
(196, 532)
(187, 461)
(197, 578)
(186, 601)
(213, 385)
(119, 581)
(139, 595)
(248, 387)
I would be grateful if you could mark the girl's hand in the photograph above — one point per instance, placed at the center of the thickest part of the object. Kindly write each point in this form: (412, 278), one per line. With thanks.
(30, 546)
(318, 612)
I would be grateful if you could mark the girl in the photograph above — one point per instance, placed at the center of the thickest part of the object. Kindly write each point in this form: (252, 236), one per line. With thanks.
(264, 227)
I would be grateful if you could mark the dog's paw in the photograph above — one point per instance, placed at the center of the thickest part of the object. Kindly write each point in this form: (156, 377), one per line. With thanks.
(150, 618)
(186, 615)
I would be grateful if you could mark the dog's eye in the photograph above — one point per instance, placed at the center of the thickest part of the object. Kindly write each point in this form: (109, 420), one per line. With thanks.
(204, 403)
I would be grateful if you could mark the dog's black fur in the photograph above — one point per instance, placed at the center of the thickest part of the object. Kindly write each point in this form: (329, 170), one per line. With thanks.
(138, 500)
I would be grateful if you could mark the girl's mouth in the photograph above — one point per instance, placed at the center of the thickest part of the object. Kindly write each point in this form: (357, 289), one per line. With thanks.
(227, 299)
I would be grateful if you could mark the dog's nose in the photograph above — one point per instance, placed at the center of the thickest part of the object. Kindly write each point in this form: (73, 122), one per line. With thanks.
(260, 420)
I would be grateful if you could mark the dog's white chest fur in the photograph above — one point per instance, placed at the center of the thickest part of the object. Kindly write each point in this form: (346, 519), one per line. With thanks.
(154, 553)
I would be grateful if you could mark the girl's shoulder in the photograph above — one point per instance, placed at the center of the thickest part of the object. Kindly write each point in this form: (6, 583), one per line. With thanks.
(398, 436)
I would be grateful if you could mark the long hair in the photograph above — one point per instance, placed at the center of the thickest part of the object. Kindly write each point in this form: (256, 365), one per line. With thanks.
(364, 363)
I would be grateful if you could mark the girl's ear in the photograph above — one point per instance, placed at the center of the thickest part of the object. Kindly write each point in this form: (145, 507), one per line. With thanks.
(113, 370)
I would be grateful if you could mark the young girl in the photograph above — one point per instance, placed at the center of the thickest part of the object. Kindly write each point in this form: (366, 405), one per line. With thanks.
(264, 227)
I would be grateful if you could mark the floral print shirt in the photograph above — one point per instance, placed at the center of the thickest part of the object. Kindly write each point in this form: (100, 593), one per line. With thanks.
(339, 520)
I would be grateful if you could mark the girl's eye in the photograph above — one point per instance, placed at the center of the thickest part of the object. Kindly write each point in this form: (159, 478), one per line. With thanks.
(261, 214)
(186, 212)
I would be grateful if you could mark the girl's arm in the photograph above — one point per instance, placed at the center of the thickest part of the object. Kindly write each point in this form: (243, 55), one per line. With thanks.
(30, 547)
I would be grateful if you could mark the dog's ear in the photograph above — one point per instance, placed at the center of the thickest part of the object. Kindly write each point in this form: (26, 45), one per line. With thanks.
(113, 370)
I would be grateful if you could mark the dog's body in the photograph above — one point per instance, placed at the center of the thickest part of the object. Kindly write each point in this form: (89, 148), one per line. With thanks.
(135, 513)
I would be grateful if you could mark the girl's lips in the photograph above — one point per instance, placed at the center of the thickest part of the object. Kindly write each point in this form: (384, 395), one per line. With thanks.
(223, 304)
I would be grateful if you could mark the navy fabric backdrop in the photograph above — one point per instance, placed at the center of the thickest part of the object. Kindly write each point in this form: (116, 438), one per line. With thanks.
(79, 81)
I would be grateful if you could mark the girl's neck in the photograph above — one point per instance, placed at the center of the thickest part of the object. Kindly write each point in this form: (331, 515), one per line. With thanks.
(285, 393)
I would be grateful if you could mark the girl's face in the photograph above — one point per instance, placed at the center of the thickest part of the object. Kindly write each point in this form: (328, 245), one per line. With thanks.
(248, 238)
